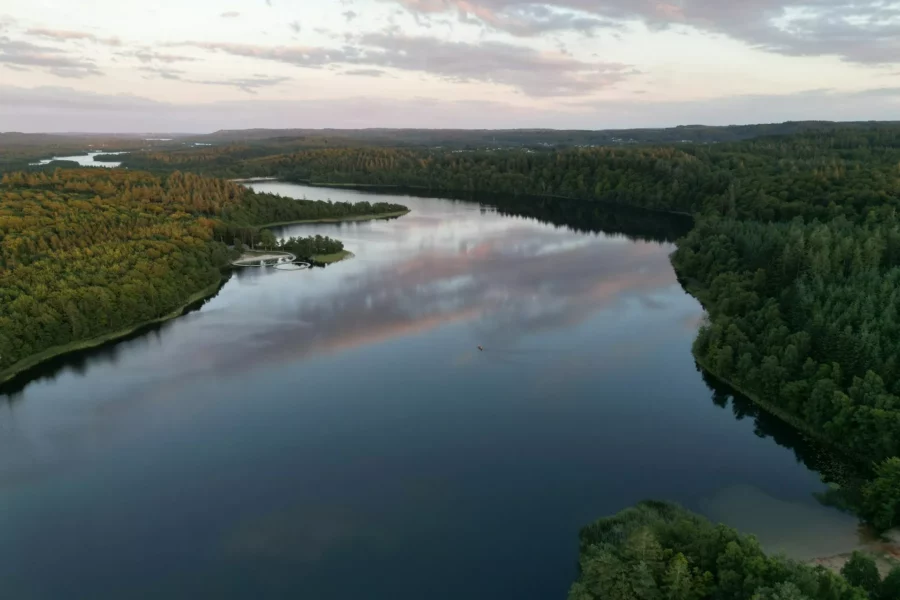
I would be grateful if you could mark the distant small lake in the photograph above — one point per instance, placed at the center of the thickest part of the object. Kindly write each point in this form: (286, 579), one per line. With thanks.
(336, 434)
(85, 160)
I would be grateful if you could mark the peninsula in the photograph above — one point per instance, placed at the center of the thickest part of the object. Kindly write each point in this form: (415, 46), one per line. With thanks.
(90, 255)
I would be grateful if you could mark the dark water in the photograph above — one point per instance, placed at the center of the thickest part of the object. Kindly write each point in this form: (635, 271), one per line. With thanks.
(336, 433)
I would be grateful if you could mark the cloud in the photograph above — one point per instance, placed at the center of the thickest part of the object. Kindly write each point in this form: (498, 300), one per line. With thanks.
(365, 72)
(300, 56)
(536, 19)
(72, 72)
(149, 56)
(506, 283)
(231, 14)
(886, 92)
(245, 84)
(57, 108)
(165, 73)
(65, 35)
(349, 15)
(863, 31)
(534, 73)
(519, 18)
(54, 60)
(61, 99)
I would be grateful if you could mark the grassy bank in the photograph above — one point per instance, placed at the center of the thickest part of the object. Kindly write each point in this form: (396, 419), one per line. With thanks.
(35, 359)
(373, 217)
(327, 259)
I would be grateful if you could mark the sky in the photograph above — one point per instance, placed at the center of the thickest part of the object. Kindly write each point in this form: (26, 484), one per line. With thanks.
(204, 65)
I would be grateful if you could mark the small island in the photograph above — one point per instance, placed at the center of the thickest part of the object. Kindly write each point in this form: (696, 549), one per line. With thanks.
(313, 249)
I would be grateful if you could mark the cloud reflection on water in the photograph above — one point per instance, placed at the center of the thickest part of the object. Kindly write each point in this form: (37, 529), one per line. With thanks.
(508, 285)
(508, 280)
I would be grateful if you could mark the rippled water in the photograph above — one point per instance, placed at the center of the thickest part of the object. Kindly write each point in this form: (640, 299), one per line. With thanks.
(336, 433)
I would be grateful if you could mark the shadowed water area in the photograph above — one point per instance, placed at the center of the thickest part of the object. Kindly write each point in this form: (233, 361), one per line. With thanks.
(336, 433)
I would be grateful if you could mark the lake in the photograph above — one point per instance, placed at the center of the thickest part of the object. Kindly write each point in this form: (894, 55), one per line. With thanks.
(336, 433)
(85, 160)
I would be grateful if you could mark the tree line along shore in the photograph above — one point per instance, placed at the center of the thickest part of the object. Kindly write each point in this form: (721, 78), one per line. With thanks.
(88, 255)
(794, 252)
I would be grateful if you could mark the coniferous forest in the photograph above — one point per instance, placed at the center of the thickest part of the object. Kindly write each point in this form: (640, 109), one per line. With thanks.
(795, 253)
(88, 253)
(660, 551)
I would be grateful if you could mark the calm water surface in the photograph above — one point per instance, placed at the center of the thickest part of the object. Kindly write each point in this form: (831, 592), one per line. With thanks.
(336, 433)
(85, 160)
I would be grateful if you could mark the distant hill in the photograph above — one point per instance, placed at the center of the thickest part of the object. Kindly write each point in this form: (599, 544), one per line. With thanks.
(17, 138)
(18, 150)
(698, 134)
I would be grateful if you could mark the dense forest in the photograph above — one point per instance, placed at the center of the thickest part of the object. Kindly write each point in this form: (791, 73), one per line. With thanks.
(659, 551)
(242, 153)
(244, 221)
(18, 151)
(526, 138)
(91, 252)
(308, 248)
(795, 254)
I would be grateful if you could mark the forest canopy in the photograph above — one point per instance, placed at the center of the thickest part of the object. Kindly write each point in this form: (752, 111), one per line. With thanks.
(795, 255)
(89, 252)
(795, 252)
(659, 551)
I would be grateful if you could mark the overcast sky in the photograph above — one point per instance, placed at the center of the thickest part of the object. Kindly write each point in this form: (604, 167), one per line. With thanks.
(202, 65)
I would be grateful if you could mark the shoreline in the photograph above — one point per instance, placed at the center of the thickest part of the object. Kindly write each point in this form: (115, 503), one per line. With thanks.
(784, 416)
(386, 186)
(250, 256)
(766, 406)
(885, 552)
(330, 259)
(696, 292)
(885, 560)
(369, 217)
(453, 192)
(34, 360)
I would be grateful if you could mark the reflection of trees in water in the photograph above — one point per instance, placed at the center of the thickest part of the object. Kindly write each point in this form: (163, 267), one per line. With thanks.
(581, 216)
(80, 360)
(77, 362)
(832, 466)
(577, 215)
(593, 217)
